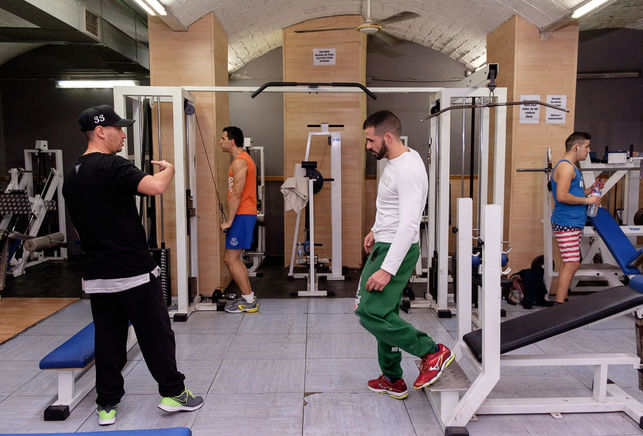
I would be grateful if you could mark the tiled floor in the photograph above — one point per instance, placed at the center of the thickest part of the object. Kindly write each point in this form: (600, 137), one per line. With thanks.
(299, 367)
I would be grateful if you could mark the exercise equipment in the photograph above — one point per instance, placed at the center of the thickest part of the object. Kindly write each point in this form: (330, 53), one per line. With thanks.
(183, 129)
(592, 246)
(309, 170)
(73, 362)
(442, 104)
(455, 400)
(626, 255)
(256, 257)
(27, 207)
(444, 101)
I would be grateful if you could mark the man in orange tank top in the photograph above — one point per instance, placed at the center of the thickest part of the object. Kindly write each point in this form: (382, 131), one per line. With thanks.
(242, 216)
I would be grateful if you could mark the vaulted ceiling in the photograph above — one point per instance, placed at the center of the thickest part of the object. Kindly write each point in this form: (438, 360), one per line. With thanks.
(65, 47)
(457, 28)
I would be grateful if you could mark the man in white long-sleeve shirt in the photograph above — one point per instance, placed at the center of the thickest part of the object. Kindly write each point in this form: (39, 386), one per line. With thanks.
(393, 249)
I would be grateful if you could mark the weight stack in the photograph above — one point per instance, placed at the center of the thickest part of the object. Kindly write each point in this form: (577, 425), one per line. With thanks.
(162, 258)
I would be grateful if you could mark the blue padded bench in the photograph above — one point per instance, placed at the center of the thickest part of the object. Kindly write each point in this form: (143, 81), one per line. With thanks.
(625, 254)
(175, 431)
(73, 361)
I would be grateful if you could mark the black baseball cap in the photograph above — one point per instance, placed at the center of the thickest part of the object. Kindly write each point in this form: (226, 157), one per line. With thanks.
(102, 115)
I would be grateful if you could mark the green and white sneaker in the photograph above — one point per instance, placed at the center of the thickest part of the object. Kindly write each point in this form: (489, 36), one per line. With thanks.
(186, 402)
(106, 415)
(241, 305)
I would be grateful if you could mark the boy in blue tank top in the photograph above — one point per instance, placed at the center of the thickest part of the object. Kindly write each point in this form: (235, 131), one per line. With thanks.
(570, 207)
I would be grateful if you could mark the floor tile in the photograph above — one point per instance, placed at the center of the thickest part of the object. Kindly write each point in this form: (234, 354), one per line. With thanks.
(281, 305)
(367, 414)
(532, 378)
(273, 324)
(622, 322)
(340, 375)
(424, 321)
(341, 346)
(199, 375)
(202, 347)
(269, 414)
(419, 409)
(208, 323)
(20, 414)
(15, 374)
(331, 305)
(334, 323)
(266, 347)
(26, 347)
(60, 326)
(301, 366)
(574, 424)
(259, 376)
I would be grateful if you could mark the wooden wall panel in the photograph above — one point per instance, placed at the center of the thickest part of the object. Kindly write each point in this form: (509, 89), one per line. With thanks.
(530, 65)
(198, 57)
(335, 108)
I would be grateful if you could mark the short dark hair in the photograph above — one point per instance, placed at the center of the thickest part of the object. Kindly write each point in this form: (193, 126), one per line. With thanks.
(236, 134)
(575, 139)
(384, 121)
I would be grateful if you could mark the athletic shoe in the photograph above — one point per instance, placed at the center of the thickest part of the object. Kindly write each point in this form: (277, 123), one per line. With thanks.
(432, 366)
(106, 415)
(395, 390)
(241, 305)
(185, 402)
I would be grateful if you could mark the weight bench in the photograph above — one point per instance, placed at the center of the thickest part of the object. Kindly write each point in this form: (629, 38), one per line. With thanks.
(73, 361)
(625, 254)
(175, 431)
(464, 391)
(534, 327)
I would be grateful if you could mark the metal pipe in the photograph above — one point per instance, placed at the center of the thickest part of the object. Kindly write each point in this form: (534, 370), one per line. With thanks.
(509, 103)
(158, 128)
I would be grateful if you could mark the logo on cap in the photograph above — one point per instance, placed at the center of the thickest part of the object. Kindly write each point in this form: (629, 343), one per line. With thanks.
(103, 115)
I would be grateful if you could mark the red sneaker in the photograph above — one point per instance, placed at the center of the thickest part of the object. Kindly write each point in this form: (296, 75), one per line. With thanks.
(395, 390)
(432, 366)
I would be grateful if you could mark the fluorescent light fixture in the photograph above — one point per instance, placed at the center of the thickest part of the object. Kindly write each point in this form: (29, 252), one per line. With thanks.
(587, 7)
(157, 6)
(144, 5)
(94, 83)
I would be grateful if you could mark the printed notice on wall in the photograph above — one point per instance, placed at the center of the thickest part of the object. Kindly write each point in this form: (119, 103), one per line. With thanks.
(529, 113)
(553, 116)
(323, 56)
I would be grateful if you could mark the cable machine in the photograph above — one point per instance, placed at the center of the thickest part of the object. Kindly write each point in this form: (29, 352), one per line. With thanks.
(186, 241)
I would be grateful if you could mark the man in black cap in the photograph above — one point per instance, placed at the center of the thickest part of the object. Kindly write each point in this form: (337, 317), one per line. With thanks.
(119, 274)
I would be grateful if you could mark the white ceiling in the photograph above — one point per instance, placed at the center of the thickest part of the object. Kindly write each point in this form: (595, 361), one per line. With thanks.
(457, 28)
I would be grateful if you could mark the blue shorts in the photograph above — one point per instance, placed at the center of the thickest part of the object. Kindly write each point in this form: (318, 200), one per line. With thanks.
(239, 235)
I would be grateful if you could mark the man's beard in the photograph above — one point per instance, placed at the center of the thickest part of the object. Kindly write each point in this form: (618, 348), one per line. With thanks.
(382, 153)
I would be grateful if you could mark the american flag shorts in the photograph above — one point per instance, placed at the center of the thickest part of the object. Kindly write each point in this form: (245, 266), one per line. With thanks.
(568, 238)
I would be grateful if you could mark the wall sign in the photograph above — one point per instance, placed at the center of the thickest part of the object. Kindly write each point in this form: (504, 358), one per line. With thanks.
(552, 116)
(323, 56)
(529, 113)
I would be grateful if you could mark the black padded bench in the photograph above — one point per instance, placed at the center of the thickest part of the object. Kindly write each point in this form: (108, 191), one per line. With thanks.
(545, 323)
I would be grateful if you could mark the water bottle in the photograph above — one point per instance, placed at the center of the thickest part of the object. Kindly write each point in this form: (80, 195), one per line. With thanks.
(592, 210)
(300, 252)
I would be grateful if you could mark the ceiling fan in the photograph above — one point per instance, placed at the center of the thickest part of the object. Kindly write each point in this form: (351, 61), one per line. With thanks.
(373, 27)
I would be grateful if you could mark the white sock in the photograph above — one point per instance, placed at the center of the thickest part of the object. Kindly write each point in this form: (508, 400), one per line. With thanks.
(250, 298)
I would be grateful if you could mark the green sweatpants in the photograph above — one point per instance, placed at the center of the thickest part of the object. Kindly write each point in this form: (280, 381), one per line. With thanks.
(379, 312)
